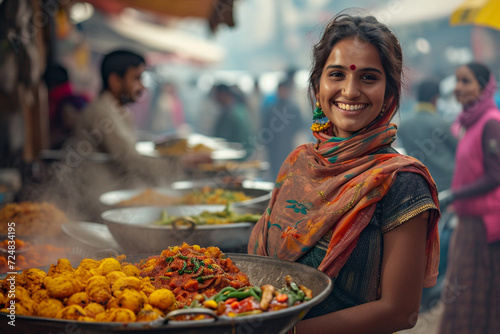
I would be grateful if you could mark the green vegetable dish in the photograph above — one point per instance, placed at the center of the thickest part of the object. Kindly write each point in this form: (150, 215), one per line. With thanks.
(226, 216)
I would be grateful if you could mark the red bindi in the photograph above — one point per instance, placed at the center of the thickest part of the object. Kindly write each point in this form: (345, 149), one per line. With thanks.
(352, 67)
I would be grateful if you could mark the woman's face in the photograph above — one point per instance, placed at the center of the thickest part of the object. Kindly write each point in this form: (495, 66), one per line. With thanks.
(467, 90)
(352, 86)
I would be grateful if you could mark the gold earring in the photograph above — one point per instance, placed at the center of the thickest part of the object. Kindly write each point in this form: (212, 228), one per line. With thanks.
(383, 110)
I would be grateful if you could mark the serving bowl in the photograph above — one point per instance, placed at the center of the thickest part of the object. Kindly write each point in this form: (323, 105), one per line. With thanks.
(136, 233)
(259, 191)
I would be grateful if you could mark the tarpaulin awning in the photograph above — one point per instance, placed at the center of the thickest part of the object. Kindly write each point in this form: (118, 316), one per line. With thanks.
(477, 12)
(214, 11)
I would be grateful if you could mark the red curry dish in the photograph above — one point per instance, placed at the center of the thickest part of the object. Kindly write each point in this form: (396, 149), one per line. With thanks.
(189, 271)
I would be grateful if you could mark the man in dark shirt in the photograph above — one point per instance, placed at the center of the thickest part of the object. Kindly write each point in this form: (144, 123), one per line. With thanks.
(426, 136)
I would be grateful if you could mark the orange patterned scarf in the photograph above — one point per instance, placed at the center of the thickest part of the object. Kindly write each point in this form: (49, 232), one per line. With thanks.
(334, 186)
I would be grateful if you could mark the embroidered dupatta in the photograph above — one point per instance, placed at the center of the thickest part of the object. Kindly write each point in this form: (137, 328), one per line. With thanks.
(335, 185)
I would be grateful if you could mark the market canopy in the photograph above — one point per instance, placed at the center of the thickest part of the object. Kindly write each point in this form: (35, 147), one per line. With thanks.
(478, 12)
(214, 11)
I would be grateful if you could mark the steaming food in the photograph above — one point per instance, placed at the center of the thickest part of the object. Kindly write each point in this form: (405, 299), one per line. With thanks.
(208, 195)
(205, 195)
(32, 219)
(149, 197)
(227, 216)
(181, 277)
(28, 255)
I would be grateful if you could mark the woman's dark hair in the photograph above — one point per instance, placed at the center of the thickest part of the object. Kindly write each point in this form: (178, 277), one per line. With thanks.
(55, 75)
(481, 72)
(367, 29)
(118, 62)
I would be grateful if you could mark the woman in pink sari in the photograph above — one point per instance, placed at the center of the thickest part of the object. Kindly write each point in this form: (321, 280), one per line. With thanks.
(472, 293)
(349, 204)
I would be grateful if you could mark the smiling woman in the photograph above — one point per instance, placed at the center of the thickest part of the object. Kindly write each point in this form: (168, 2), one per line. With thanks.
(350, 205)
(352, 96)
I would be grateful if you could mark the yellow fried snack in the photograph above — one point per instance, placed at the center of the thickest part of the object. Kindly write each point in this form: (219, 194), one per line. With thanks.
(106, 266)
(12, 278)
(79, 298)
(164, 299)
(83, 275)
(3, 298)
(49, 308)
(112, 303)
(148, 313)
(19, 310)
(127, 282)
(63, 268)
(132, 300)
(98, 289)
(114, 275)
(39, 296)
(147, 287)
(94, 309)
(131, 270)
(61, 286)
(72, 312)
(33, 279)
(89, 264)
(117, 315)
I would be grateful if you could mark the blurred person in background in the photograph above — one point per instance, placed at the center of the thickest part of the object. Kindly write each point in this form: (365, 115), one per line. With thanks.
(284, 119)
(106, 126)
(425, 135)
(64, 104)
(349, 204)
(472, 292)
(169, 115)
(254, 101)
(233, 122)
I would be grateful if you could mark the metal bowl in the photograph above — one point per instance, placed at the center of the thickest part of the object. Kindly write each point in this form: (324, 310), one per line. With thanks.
(259, 191)
(260, 270)
(133, 230)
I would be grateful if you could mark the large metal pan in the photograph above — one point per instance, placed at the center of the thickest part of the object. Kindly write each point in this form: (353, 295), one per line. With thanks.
(259, 191)
(132, 228)
(260, 270)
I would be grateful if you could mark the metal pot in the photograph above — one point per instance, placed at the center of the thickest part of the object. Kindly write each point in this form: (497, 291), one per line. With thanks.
(260, 191)
(133, 230)
(260, 270)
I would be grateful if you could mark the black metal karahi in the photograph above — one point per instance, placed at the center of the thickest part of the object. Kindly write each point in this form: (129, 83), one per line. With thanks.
(260, 270)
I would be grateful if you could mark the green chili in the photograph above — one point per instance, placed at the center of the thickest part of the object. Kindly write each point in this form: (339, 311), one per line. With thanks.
(184, 265)
(196, 264)
(295, 297)
(294, 287)
(169, 259)
(198, 273)
(238, 294)
(255, 293)
(179, 255)
(221, 295)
